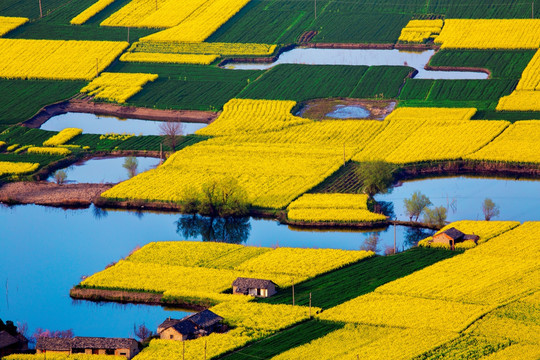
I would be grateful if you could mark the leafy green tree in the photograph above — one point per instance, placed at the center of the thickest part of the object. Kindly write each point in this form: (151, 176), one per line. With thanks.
(223, 197)
(130, 164)
(60, 177)
(376, 177)
(490, 209)
(436, 216)
(416, 205)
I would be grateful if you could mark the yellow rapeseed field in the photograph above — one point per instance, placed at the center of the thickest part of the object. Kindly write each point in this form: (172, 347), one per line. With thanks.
(49, 150)
(526, 96)
(490, 34)
(56, 59)
(200, 24)
(7, 167)
(10, 23)
(203, 48)
(91, 11)
(168, 58)
(332, 208)
(420, 30)
(369, 343)
(62, 137)
(519, 143)
(117, 87)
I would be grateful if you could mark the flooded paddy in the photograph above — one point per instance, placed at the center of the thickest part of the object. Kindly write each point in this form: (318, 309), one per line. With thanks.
(367, 57)
(105, 170)
(97, 124)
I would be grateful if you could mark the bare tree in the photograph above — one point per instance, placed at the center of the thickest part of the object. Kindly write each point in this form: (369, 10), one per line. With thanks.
(371, 243)
(142, 332)
(171, 131)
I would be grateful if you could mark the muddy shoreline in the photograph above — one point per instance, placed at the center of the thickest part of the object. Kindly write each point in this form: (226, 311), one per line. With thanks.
(132, 297)
(107, 109)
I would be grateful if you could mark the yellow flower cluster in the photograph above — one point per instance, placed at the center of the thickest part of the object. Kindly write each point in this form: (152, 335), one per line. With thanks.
(10, 23)
(490, 34)
(423, 134)
(332, 208)
(194, 253)
(517, 351)
(420, 30)
(272, 175)
(526, 96)
(90, 12)
(168, 58)
(369, 343)
(153, 14)
(62, 356)
(56, 59)
(7, 167)
(302, 263)
(198, 270)
(117, 87)
(258, 316)
(2, 144)
(519, 143)
(49, 151)
(204, 48)
(406, 311)
(201, 23)
(243, 116)
(115, 136)
(484, 229)
(62, 137)
(504, 268)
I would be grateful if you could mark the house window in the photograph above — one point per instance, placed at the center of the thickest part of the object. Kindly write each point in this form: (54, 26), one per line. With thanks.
(171, 336)
(109, 351)
(123, 353)
(95, 351)
(258, 292)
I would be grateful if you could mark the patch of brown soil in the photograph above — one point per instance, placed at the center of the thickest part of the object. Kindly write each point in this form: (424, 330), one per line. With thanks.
(46, 193)
(318, 108)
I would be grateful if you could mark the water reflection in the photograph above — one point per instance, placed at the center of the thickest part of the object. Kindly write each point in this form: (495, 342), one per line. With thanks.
(413, 235)
(232, 230)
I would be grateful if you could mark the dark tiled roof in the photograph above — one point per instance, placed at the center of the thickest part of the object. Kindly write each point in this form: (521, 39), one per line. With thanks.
(471, 237)
(102, 343)
(185, 327)
(249, 283)
(53, 344)
(59, 344)
(205, 318)
(454, 233)
(168, 323)
(7, 340)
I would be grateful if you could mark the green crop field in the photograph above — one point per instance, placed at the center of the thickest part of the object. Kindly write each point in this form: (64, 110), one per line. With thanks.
(284, 340)
(341, 285)
(501, 63)
(150, 142)
(25, 136)
(21, 99)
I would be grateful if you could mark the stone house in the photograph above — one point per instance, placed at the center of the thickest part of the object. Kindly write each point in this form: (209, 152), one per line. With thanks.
(254, 287)
(88, 345)
(12, 343)
(453, 236)
(190, 327)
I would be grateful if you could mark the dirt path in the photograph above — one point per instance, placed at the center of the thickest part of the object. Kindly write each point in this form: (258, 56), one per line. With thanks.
(131, 112)
(46, 193)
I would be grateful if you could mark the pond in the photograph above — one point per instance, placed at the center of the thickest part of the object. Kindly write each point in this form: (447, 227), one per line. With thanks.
(105, 170)
(368, 57)
(45, 251)
(349, 112)
(518, 200)
(97, 124)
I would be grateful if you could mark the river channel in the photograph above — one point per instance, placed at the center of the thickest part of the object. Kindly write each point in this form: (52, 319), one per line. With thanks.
(45, 251)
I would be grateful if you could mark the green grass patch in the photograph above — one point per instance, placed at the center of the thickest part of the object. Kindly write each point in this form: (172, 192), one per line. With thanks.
(25, 136)
(502, 63)
(32, 158)
(284, 340)
(344, 284)
(465, 347)
(381, 82)
(511, 116)
(149, 142)
(344, 181)
(22, 99)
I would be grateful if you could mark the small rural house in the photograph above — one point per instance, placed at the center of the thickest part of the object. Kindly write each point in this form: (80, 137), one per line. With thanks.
(190, 327)
(453, 236)
(254, 287)
(11, 341)
(88, 345)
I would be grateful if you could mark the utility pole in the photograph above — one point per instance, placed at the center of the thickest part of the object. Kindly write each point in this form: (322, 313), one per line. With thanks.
(183, 350)
(40, 10)
(532, 10)
(344, 161)
(161, 152)
(128, 34)
(293, 293)
(97, 67)
(310, 305)
(204, 349)
(315, 9)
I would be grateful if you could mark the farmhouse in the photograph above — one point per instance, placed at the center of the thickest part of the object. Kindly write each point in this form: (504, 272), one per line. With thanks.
(190, 327)
(254, 287)
(453, 236)
(88, 345)
(11, 341)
